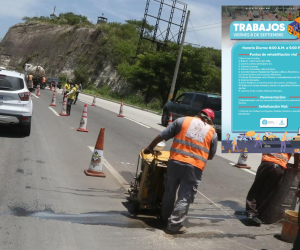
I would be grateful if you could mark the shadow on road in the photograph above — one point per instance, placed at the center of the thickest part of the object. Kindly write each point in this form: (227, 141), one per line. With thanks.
(11, 131)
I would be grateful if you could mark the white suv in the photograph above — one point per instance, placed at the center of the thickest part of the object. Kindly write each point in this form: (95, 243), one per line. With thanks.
(15, 100)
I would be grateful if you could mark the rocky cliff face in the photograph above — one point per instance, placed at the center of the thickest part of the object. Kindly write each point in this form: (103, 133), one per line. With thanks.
(59, 49)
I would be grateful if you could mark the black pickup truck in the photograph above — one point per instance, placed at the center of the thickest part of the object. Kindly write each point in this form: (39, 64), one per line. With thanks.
(189, 104)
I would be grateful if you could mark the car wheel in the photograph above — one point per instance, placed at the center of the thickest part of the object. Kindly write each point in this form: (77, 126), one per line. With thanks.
(165, 118)
(25, 129)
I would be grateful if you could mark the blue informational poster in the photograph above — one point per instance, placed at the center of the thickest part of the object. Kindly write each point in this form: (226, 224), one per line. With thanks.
(260, 80)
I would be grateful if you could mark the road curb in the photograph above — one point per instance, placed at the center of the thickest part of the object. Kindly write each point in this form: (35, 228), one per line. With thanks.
(129, 105)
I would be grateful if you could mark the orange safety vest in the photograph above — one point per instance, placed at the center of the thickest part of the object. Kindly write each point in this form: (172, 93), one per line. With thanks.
(290, 17)
(280, 159)
(192, 144)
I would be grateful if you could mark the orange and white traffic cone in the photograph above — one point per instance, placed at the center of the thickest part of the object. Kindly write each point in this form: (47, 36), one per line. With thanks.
(38, 91)
(96, 165)
(64, 107)
(94, 101)
(121, 110)
(83, 121)
(53, 103)
(51, 86)
(242, 162)
(170, 120)
(55, 87)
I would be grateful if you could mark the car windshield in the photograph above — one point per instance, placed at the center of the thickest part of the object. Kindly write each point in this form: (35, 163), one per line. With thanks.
(11, 83)
(214, 103)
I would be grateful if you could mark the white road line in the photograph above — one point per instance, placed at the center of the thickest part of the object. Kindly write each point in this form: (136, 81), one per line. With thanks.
(115, 173)
(34, 95)
(137, 122)
(247, 170)
(54, 111)
(216, 205)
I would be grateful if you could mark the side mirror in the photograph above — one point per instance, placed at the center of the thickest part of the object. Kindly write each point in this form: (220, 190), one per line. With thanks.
(32, 90)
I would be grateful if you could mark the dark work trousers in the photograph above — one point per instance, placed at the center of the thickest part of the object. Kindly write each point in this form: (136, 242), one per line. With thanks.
(76, 97)
(185, 178)
(297, 241)
(69, 104)
(266, 181)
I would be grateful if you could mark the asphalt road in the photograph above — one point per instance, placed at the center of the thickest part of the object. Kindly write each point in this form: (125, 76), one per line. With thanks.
(46, 201)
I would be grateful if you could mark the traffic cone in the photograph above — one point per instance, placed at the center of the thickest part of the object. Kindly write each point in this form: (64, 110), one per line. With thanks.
(83, 121)
(121, 110)
(38, 91)
(245, 151)
(242, 162)
(53, 103)
(64, 107)
(55, 87)
(51, 86)
(96, 165)
(223, 148)
(63, 91)
(229, 151)
(94, 101)
(170, 120)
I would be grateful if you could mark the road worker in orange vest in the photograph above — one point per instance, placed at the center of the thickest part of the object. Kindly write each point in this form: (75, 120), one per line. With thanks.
(267, 179)
(195, 142)
(290, 16)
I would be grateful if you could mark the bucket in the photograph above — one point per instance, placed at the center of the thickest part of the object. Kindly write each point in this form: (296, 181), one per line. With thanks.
(290, 226)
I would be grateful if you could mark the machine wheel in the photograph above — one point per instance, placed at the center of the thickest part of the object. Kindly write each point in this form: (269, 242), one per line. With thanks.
(135, 207)
(165, 118)
(265, 138)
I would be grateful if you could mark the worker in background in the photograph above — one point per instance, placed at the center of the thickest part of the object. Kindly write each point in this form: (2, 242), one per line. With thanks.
(71, 97)
(43, 81)
(258, 141)
(30, 81)
(290, 16)
(267, 179)
(67, 89)
(195, 142)
(279, 18)
(79, 89)
(297, 241)
(250, 15)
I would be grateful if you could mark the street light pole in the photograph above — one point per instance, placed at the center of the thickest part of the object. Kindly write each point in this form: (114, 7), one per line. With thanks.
(179, 58)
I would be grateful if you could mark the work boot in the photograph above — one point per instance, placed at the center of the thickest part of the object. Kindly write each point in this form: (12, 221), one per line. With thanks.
(181, 230)
(253, 220)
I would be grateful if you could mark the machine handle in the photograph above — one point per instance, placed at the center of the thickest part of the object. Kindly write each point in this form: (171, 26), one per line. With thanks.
(146, 152)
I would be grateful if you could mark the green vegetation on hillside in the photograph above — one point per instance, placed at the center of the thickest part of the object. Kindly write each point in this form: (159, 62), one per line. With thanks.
(68, 18)
(149, 73)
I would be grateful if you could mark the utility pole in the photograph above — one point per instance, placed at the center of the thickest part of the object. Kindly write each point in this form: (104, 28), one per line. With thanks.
(179, 58)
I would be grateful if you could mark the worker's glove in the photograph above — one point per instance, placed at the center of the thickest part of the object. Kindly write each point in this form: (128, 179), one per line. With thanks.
(148, 150)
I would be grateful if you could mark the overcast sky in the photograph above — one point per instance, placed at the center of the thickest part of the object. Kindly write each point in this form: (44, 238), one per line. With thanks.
(202, 13)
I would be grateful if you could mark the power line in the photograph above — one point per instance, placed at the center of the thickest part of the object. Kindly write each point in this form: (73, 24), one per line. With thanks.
(194, 32)
(205, 25)
(207, 28)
